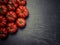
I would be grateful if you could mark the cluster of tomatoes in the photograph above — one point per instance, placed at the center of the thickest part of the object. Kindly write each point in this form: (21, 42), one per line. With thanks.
(12, 15)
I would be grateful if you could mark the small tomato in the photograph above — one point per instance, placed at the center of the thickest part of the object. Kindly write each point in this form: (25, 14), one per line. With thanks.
(21, 22)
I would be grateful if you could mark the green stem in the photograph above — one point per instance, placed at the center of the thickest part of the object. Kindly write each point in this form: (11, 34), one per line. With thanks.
(20, 22)
(12, 4)
(11, 27)
(22, 11)
(10, 15)
(1, 9)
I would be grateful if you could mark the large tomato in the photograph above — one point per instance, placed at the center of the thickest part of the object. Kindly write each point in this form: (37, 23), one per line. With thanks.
(21, 2)
(21, 22)
(12, 28)
(11, 16)
(3, 33)
(22, 11)
(3, 9)
(3, 1)
(12, 5)
(2, 21)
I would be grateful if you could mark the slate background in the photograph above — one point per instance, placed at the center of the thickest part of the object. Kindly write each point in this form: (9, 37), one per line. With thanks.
(42, 25)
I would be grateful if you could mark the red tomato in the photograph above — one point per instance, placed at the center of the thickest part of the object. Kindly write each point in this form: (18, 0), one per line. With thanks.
(22, 12)
(3, 33)
(12, 28)
(11, 16)
(2, 21)
(21, 2)
(12, 5)
(21, 22)
(3, 9)
(3, 1)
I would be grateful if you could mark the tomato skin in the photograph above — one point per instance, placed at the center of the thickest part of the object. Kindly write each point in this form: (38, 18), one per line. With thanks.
(3, 21)
(3, 33)
(21, 2)
(12, 5)
(22, 11)
(11, 16)
(3, 1)
(3, 9)
(21, 22)
(12, 28)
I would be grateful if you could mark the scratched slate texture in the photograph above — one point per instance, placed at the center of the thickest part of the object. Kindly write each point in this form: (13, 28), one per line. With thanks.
(41, 25)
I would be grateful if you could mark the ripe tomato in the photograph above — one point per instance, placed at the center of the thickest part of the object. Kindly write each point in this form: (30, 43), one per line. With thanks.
(21, 22)
(12, 5)
(2, 21)
(12, 28)
(22, 12)
(11, 16)
(3, 33)
(3, 9)
(21, 2)
(3, 1)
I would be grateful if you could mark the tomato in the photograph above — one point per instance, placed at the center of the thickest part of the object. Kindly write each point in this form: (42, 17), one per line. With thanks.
(2, 21)
(3, 1)
(12, 5)
(22, 12)
(12, 28)
(3, 9)
(21, 2)
(3, 33)
(11, 16)
(21, 22)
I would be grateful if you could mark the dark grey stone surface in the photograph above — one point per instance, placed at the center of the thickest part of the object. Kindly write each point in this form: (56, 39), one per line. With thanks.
(41, 25)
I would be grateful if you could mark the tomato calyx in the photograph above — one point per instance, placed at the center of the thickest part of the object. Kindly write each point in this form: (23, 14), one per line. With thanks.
(21, 22)
(1, 9)
(12, 5)
(11, 27)
(10, 15)
(22, 11)
(0, 32)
